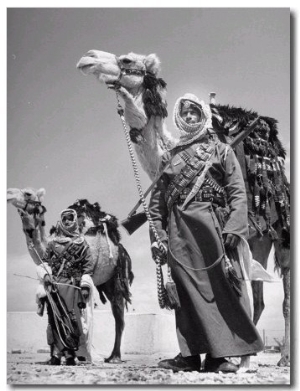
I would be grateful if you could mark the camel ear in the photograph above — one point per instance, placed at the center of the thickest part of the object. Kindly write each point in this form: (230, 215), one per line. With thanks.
(40, 193)
(152, 64)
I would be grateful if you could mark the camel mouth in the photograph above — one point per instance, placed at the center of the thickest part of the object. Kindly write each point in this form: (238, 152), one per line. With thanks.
(85, 69)
(133, 72)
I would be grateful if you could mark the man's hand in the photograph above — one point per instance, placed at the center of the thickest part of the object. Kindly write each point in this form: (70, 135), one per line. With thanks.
(47, 282)
(85, 293)
(231, 241)
(159, 253)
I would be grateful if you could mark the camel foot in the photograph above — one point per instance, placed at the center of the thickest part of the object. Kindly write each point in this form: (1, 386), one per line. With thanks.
(284, 361)
(113, 360)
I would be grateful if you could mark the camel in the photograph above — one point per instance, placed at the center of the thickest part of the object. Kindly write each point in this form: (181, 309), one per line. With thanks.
(113, 272)
(261, 155)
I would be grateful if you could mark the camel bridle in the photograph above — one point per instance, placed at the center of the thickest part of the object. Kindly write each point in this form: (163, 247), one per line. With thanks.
(35, 212)
(131, 72)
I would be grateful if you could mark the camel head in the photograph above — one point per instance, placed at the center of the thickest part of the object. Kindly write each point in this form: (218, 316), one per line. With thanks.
(128, 70)
(25, 198)
(28, 201)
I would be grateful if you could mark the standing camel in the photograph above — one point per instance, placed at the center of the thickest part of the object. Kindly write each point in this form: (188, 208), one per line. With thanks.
(112, 274)
(261, 155)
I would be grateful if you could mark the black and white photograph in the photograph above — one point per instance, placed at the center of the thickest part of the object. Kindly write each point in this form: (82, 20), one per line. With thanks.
(148, 196)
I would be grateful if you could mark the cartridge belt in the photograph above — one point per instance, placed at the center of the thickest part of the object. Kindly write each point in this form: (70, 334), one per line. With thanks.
(207, 194)
(193, 167)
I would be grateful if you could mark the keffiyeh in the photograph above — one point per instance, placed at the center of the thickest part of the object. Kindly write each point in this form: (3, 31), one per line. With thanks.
(67, 231)
(191, 132)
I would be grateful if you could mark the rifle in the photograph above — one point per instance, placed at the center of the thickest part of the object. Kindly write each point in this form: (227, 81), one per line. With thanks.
(135, 220)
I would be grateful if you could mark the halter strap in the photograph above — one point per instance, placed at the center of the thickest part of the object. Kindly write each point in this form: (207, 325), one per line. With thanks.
(125, 71)
(36, 203)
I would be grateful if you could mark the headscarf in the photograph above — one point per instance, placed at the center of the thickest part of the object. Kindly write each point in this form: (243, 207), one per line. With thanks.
(191, 132)
(70, 231)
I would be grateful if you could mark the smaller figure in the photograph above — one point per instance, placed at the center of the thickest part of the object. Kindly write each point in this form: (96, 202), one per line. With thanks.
(66, 272)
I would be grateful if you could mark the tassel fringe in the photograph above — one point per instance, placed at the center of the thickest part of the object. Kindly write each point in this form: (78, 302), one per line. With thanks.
(232, 277)
(172, 295)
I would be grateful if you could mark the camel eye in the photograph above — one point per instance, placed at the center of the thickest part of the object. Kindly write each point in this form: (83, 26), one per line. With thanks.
(126, 61)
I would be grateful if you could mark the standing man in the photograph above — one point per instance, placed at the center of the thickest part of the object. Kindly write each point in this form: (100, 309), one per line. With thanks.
(199, 209)
(66, 271)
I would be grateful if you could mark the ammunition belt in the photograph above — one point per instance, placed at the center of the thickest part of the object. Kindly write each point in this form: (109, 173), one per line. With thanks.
(207, 194)
(76, 274)
(210, 181)
(70, 268)
(70, 264)
(193, 167)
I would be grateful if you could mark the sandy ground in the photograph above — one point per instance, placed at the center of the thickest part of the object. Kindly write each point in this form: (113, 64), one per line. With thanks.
(31, 369)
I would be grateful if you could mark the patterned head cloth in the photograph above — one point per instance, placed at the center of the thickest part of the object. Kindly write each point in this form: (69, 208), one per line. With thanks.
(191, 132)
(68, 224)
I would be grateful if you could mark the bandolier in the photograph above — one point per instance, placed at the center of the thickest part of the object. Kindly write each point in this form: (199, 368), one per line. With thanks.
(208, 190)
(69, 262)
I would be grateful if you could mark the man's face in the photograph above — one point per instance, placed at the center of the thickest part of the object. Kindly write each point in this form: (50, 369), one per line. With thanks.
(190, 115)
(68, 220)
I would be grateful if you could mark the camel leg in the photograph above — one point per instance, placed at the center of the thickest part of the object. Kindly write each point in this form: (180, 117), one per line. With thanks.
(283, 259)
(260, 248)
(285, 353)
(117, 306)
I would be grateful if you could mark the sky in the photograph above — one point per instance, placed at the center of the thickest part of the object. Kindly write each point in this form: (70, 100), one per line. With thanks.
(64, 133)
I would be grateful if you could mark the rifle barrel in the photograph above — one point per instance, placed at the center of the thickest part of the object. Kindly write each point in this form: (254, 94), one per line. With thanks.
(241, 136)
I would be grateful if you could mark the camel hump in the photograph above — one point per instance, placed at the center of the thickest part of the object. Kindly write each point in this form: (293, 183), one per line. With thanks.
(94, 212)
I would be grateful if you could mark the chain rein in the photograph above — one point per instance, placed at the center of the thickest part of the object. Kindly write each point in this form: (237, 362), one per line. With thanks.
(161, 290)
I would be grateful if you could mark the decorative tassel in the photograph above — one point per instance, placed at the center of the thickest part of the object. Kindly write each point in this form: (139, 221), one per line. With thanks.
(265, 174)
(161, 290)
(136, 135)
(108, 242)
(252, 167)
(120, 287)
(167, 296)
(153, 103)
(256, 195)
(148, 96)
(172, 292)
(173, 297)
(232, 276)
(272, 233)
(286, 238)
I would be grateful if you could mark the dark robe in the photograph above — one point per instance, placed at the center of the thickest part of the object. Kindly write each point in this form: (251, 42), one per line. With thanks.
(212, 318)
(68, 273)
